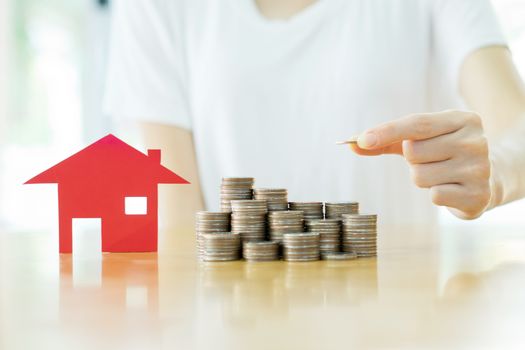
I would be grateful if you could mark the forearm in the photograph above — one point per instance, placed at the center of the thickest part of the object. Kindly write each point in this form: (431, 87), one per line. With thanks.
(492, 86)
(177, 204)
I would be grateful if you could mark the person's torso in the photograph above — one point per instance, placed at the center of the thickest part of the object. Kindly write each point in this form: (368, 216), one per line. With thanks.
(269, 98)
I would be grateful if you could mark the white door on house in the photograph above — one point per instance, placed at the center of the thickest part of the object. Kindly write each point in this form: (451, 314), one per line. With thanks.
(87, 252)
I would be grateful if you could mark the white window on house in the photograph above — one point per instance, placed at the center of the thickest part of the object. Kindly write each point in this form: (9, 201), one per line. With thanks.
(136, 205)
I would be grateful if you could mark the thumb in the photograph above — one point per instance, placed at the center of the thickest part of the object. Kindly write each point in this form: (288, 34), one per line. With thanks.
(395, 148)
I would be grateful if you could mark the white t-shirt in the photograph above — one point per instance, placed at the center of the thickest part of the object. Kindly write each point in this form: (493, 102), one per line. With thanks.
(269, 98)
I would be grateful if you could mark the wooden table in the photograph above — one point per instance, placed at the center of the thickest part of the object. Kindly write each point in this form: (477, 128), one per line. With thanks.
(441, 288)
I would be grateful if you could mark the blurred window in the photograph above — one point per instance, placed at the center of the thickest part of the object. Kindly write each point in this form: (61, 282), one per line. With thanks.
(57, 57)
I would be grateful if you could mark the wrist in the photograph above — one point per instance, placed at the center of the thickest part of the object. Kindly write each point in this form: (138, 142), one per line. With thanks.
(496, 181)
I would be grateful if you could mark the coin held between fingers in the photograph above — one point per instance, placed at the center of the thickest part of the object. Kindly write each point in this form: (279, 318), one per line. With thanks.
(352, 140)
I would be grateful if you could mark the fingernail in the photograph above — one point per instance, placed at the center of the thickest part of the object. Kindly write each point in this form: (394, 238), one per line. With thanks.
(368, 140)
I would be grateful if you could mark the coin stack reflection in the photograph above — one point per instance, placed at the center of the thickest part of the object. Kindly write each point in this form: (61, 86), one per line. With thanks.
(235, 188)
(360, 234)
(249, 219)
(210, 222)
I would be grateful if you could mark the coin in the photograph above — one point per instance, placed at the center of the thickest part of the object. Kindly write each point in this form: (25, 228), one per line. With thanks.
(335, 210)
(281, 222)
(360, 234)
(301, 246)
(339, 256)
(329, 232)
(249, 219)
(209, 222)
(352, 140)
(301, 258)
(311, 210)
(235, 188)
(299, 231)
(221, 246)
(277, 198)
(249, 206)
(261, 251)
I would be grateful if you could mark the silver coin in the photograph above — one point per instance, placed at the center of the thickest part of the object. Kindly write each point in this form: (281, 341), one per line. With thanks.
(302, 259)
(217, 259)
(336, 210)
(339, 256)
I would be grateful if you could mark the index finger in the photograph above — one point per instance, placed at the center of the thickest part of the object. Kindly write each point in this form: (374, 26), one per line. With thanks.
(412, 127)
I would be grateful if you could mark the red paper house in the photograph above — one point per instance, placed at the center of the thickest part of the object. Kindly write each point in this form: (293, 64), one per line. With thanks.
(102, 181)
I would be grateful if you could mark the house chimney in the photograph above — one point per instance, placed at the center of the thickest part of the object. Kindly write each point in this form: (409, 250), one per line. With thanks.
(154, 154)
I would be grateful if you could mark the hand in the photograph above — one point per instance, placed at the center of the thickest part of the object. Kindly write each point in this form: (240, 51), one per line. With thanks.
(447, 153)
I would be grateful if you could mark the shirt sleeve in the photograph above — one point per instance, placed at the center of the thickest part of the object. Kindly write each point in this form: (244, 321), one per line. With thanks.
(460, 27)
(146, 77)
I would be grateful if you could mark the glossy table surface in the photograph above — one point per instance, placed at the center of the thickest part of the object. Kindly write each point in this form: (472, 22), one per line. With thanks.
(429, 288)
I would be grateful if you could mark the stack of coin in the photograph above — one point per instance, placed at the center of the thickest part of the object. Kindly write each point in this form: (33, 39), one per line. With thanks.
(210, 222)
(301, 246)
(311, 210)
(277, 198)
(281, 222)
(224, 246)
(233, 188)
(329, 231)
(249, 219)
(335, 210)
(339, 256)
(360, 234)
(260, 251)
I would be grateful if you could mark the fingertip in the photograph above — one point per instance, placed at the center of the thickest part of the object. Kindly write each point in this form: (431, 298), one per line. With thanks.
(367, 140)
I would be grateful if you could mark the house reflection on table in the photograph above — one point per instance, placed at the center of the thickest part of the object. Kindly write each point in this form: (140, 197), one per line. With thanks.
(128, 292)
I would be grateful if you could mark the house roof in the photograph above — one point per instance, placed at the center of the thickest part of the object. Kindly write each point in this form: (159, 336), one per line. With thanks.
(108, 159)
